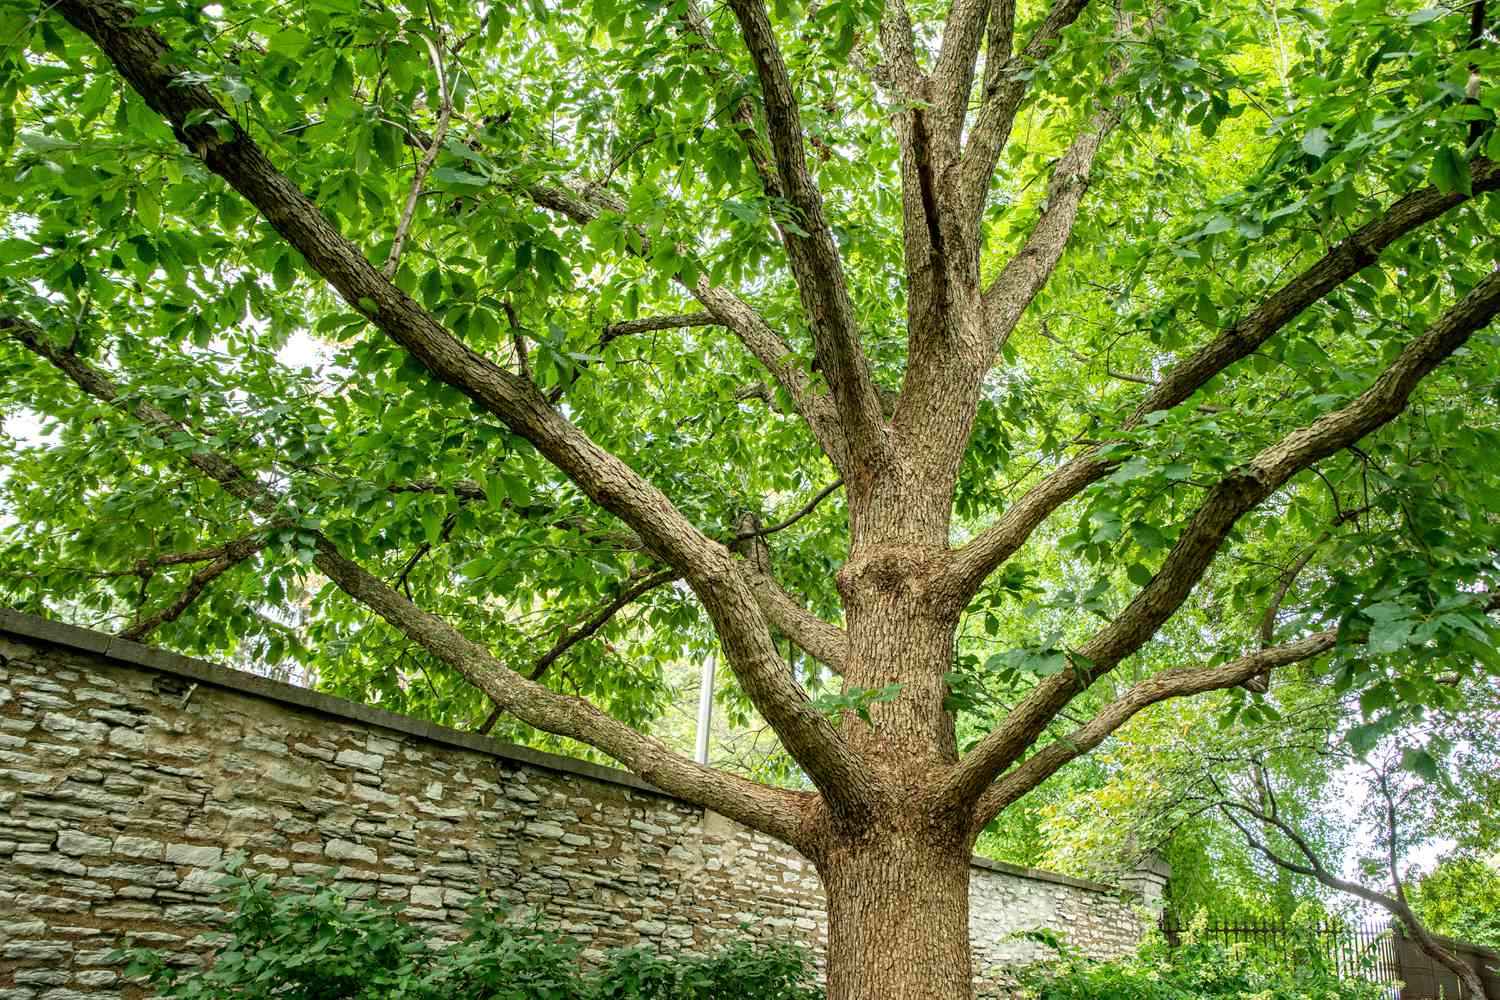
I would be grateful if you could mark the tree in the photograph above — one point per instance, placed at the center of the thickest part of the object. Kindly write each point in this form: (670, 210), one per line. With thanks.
(1253, 808)
(601, 288)
(1460, 898)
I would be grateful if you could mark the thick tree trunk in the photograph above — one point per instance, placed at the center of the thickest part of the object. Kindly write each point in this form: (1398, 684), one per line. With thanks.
(898, 919)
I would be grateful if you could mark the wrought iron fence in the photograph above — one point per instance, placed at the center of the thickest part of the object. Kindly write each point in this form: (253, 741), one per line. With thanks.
(1379, 952)
(1364, 951)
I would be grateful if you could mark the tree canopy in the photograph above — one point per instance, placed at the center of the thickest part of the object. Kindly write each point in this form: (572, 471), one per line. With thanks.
(974, 376)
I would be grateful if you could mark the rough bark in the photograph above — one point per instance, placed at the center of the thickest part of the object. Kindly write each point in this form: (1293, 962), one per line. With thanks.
(898, 917)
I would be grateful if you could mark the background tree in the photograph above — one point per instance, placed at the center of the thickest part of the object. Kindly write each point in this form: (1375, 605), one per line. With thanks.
(1460, 898)
(1402, 808)
(423, 342)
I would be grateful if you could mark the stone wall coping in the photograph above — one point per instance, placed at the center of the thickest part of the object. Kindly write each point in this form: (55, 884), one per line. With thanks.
(33, 627)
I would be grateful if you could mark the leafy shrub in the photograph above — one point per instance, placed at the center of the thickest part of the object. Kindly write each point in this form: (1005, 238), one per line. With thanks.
(317, 945)
(1195, 970)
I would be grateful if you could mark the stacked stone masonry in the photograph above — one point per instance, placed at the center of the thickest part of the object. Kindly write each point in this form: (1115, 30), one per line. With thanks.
(127, 774)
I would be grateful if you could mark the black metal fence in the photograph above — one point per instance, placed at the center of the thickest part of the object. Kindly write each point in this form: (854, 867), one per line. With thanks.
(1352, 951)
(1379, 952)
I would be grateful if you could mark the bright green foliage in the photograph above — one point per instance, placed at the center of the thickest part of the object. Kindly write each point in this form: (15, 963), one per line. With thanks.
(1461, 898)
(1253, 141)
(1197, 971)
(315, 945)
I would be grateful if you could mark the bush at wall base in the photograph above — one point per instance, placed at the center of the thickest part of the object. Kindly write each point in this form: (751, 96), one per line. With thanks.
(316, 945)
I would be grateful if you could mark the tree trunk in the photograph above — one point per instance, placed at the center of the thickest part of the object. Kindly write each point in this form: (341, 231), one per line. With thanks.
(1473, 986)
(898, 918)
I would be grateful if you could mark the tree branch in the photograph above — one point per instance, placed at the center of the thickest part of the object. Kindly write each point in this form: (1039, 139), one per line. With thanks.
(429, 157)
(749, 327)
(143, 59)
(773, 811)
(229, 555)
(1159, 687)
(813, 254)
(649, 324)
(958, 55)
(643, 584)
(1024, 276)
(997, 543)
(1238, 492)
(824, 642)
(1003, 91)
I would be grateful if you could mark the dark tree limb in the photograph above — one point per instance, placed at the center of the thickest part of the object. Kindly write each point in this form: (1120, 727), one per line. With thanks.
(144, 59)
(228, 556)
(642, 584)
(987, 551)
(812, 251)
(1240, 491)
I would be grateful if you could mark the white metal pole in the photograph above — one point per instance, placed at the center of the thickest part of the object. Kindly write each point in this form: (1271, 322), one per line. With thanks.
(705, 708)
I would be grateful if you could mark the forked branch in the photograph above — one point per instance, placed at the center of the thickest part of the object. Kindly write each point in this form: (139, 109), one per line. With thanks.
(1238, 492)
(228, 556)
(775, 811)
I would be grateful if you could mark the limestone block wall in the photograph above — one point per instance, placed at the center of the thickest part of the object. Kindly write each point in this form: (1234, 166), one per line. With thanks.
(127, 773)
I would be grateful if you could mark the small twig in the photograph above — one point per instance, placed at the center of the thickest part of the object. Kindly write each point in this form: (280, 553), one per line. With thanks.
(233, 554)
(802, 512)
(429, 157)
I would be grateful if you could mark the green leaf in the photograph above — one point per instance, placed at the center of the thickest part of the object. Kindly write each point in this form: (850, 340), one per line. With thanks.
(1315, 142)
(459, 178)
(1450, 172)
(1420, 762)
(147, 208)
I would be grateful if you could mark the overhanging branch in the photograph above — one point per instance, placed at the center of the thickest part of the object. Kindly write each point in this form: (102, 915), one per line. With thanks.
(145, 60)
(774, 811)
(1240, 491)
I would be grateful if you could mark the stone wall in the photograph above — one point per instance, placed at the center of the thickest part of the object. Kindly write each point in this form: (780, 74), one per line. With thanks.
(127, 773)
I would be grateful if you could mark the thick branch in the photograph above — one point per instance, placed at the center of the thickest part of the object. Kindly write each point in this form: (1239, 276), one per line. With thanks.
(1004, 90)
(813, 254)
(1026, 274)
(1159, 687)
(953, 73)
(772, 810)
(1005, 536)
(1237, 493)
(1351, 256)
(143, 59)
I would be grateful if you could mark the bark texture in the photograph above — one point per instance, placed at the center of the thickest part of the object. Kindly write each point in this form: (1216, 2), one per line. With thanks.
(898, 918)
